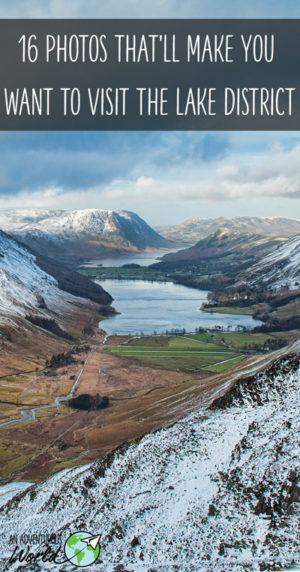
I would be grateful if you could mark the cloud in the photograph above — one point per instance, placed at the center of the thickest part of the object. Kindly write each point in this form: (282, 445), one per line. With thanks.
(154, 169)
(272, 174)
(43, 199)
(32, 162)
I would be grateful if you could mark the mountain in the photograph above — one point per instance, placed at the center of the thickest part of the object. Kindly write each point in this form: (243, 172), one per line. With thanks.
(278, 269)
(81, 234)
(32, 284)
(245, 273)
(194, 229)
(216, 491)
(242, 258)
(226, 249)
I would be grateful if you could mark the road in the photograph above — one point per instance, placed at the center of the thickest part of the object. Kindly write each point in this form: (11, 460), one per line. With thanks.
(30, 414)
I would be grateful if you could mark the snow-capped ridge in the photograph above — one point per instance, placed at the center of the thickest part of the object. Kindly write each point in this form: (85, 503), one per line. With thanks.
(194, 229)
(31, 284)
(278, 269)
(83, 233)
(216, 491)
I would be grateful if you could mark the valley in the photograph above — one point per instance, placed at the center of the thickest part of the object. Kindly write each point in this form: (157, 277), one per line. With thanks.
(149, 389)
(156, 332)
(68, 437)
(144, 378)
(138, 374)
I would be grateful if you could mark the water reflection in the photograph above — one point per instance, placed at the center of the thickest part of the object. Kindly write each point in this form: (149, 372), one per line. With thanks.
(156, 307)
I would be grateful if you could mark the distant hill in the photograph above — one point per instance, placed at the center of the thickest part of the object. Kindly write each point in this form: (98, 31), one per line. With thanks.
(81, 234)
(241, 258)
(226, 245)
(192, 230)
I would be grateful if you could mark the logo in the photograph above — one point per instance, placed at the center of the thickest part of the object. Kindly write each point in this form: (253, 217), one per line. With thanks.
(82, 549)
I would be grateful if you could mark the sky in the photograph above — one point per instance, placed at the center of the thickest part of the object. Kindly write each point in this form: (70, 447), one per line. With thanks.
(166, 177)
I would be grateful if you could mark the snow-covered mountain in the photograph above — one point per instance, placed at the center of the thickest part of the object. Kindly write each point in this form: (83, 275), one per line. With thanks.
(280, 268)
(17, 219)
(215, 492)
(194, 229)
(243, 257)
(25, 286)
(226, 242)
(77, 234)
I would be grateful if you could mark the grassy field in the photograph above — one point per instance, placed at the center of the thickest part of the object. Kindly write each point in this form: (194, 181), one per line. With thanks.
(186, 353)
(288, 311)
(230, 310)
(245, 340)
(223, 366)
(12, 457)
(208, 351)
(121, 273)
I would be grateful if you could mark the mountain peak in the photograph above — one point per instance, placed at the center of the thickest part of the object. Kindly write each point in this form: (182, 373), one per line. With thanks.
(81, 234)
(193, 229)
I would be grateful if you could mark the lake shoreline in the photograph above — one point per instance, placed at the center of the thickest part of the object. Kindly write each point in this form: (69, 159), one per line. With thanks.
(149, 307)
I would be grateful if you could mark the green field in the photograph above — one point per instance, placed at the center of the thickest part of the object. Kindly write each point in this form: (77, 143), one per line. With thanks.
(186, 353)
(246, 340)
(210, 351)
(229, 310)
(223, 366)
(121, 273)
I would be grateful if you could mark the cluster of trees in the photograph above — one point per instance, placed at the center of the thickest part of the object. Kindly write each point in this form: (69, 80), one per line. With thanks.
(60, 360)
(229, 328)
(241, 296)
(87, 402)
(50, 325)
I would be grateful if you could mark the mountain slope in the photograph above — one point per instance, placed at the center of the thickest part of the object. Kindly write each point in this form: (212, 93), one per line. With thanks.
(81, 234)
(30, 284)
(244, 258)
(225, 249)
(278, 269)
(194, 229)
(216, 491)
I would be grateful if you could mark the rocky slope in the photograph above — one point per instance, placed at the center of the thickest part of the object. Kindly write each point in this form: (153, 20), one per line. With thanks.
(215, 492)
(194, 229)
(81, 234)
(280, 268)
(31, 284)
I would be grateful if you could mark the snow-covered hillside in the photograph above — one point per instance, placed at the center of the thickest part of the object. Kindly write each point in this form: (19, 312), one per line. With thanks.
(25, 287)
(215, 492)
(16, 219)
(280, 268)
(226, 242)
(194, 229)
(250, 258)
(80, 230)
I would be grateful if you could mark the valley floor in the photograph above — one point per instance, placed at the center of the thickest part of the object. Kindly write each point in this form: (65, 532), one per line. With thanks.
(150, 381)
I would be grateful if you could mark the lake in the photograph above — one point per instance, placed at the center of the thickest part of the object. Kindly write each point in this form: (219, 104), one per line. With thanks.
(159, 306)
(141, 258)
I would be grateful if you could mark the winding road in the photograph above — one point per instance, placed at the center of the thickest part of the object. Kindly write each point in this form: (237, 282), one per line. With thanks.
(30, 414)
